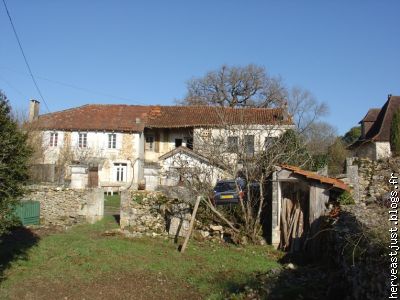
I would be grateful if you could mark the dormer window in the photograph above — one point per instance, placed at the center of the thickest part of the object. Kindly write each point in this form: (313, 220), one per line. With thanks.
(53, 139)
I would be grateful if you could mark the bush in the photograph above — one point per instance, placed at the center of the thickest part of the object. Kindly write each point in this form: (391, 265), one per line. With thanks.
(337, 154)
(346, 198)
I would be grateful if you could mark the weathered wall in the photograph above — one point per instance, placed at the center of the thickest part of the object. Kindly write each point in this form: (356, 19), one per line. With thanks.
(64, 206)
(145, 213)
(372, 179)
(126, 151)
(373, 150)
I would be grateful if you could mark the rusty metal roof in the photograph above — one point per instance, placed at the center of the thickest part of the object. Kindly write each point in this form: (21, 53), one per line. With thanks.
(314, 176)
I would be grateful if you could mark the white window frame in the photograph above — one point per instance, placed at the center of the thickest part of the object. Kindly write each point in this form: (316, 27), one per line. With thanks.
(112, 141)
(120, 172)
(53, 142)
(82, 139)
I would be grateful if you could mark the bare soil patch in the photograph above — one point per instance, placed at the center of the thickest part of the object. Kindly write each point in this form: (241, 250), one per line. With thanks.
(134, 285)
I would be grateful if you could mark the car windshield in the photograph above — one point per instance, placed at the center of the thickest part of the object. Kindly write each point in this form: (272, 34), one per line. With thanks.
(225, 186)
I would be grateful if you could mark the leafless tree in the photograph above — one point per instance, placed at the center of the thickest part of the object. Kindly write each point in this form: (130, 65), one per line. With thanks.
(319, 137)
(304, 108)
(236, 86)
(227, 150)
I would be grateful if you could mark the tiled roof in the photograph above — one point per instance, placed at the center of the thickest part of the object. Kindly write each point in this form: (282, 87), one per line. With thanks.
(135, 117)
(96, 117)
(380, 130)
(371, 115)
(192, 116)
(314, 176)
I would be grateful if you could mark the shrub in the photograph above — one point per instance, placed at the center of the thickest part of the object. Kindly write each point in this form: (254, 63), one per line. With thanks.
(346, 198)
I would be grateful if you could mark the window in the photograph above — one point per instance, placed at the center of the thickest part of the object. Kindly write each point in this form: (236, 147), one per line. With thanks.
(233, 144)
(269, 142)
(178, 143)
(120, 172)
(249, 144)
(189, 142)
(82, 142)
(53, 139)
(149, 143)
(112, 141)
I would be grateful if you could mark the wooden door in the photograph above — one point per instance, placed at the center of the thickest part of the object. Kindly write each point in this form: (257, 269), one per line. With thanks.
(93, 177)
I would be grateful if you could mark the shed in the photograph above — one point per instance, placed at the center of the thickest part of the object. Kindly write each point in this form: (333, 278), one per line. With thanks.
(296, 201)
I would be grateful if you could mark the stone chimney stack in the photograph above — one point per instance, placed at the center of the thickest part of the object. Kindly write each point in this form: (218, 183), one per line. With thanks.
(33, 110)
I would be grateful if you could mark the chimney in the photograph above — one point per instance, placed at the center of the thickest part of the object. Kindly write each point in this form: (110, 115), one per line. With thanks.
(33, 110)
(138, 120)
(389, 96)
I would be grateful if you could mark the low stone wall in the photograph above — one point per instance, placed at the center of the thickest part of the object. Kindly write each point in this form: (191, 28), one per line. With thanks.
(146, 213)
(374, 177)
(152, 213)
(369, 178)
(64, 206)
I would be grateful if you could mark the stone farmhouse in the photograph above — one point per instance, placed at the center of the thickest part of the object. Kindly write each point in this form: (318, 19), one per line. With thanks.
(374, 142)
(131, 146)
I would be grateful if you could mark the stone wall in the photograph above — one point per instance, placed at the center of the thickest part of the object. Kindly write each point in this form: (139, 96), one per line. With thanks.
(360, 236)
(152, 213)
(64, 206)
(374, 177)
(358, 247)
(369, 178)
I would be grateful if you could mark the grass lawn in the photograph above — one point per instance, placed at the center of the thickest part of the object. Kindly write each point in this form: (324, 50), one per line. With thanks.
(83, 263)
(113, 201)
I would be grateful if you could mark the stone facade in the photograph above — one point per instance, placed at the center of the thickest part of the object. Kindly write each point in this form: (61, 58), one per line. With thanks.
(64, 206)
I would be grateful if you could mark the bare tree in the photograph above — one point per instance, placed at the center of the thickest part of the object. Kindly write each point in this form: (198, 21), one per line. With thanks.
(236, 86)
(319, 137)
(305, 109)
(249, 151)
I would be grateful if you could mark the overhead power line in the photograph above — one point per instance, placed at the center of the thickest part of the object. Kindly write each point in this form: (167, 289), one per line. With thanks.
(74, 86)
(25, 59)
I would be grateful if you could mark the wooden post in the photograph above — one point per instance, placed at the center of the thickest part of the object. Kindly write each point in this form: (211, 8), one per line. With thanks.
(196, 206)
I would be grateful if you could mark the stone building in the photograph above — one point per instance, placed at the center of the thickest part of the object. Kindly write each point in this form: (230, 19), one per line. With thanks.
(127, 145)
(374, 142)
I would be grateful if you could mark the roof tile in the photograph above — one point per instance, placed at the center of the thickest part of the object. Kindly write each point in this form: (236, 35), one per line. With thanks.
(125, 117)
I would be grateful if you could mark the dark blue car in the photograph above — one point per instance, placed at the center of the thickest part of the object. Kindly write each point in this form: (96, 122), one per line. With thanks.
(227, 191)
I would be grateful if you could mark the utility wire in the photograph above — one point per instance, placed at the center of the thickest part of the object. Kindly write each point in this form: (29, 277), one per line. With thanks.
(23, 54)
(12, 86)
(74, 86)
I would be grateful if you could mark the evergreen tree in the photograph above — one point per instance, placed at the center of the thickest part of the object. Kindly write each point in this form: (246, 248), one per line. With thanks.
(352, 135)
(14, 155)
(395, 133)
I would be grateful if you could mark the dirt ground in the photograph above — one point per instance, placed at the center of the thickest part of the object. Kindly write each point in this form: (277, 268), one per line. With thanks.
(135, 285)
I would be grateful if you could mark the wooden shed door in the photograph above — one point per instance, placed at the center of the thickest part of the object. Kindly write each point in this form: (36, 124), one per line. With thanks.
(93, 177)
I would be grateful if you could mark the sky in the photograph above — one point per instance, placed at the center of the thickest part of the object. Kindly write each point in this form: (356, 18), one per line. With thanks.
(347, 53)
